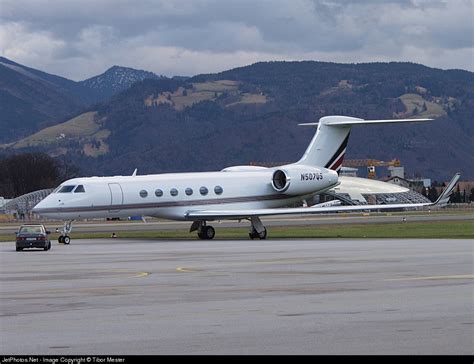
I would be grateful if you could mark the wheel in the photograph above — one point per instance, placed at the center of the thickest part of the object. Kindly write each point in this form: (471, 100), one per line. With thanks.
(209, 232)
(19, 249)
(263, 234)
(48, 246)
(60, 239)
(254, 234)
(66, 240)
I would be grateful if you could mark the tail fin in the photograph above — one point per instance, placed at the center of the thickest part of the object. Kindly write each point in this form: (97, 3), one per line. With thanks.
(328, 147)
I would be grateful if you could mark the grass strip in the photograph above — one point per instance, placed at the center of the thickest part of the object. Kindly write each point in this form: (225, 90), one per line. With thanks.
(399, 230)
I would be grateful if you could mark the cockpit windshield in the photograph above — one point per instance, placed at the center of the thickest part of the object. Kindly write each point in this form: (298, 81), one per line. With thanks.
(79, 188)
(66, 189)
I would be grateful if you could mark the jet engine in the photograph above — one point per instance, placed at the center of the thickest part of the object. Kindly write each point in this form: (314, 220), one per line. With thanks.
(301, 180)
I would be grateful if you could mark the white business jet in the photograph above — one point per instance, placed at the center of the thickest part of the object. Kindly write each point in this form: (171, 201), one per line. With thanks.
(239, 192)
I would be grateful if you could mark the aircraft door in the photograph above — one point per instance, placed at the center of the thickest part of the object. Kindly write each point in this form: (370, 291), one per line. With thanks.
(116, 194)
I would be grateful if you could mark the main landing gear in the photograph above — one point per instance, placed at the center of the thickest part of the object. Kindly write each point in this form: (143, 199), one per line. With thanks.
(207, 232)
(257, 230)
(65, 231)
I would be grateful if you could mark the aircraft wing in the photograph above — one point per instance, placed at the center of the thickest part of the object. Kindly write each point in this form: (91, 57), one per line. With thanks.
(318, 209)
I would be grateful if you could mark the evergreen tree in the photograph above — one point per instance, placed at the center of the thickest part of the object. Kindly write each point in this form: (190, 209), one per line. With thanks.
(456, 197)
(432, 194)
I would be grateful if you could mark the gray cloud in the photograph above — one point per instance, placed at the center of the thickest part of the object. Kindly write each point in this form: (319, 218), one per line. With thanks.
(78, 39)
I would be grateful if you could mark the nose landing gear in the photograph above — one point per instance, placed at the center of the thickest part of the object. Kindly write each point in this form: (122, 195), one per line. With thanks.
(65, 231)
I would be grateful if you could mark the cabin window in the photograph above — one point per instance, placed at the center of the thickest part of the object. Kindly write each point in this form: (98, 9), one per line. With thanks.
(189, 191)
(218, 190)
(66, 189)
(158, 192)
(203, 191)
(79, 188)
(174, 192)
(143, 193)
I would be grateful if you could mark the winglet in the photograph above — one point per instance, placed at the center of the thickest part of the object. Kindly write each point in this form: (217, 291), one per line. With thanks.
(446, 194)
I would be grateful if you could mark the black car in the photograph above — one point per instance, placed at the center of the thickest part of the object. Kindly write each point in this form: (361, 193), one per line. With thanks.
(32, 236)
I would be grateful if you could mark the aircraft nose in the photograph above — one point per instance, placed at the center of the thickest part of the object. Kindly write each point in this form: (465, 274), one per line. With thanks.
(41, 206)
(37, 208)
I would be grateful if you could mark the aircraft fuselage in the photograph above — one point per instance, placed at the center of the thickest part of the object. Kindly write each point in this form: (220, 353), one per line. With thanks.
(171, 195)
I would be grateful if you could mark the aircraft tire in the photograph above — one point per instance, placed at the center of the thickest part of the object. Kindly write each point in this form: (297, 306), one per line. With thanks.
(263, 234)
(60, 239)
(209, 233)
(66, 240)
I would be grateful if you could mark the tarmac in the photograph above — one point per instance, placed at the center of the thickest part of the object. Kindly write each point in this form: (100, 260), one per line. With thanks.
(115, 296)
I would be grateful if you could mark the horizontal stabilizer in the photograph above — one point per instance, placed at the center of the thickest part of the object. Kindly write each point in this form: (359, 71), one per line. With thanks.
(355, 121)
(308, 124)
(344, 120)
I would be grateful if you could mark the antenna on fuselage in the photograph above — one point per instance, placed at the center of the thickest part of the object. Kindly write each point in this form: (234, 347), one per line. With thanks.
(134, 172)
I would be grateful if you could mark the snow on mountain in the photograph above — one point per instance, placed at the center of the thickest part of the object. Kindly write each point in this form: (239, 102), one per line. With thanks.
(116, 79)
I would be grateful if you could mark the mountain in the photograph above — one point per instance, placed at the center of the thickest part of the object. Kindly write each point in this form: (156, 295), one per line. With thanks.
(31, 100)
(116, 79)
(72, 88)
(250, 114)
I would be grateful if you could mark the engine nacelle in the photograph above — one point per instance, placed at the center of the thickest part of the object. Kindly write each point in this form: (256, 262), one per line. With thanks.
(302, 180)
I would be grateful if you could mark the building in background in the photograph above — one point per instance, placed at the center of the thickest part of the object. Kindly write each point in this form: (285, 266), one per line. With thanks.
(348, 171)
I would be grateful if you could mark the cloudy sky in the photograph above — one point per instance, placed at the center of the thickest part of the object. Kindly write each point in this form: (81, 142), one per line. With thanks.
(79, 39)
